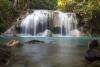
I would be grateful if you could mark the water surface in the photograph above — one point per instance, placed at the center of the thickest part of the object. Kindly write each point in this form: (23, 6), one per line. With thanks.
(55, 52)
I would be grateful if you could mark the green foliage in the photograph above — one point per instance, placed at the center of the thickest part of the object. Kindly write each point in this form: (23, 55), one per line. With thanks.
(43, 4)
(5, 13)
(83, 7)
(63, 5)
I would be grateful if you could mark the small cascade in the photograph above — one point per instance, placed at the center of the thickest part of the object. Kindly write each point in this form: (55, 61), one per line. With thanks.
(47, 23)
(68, 22)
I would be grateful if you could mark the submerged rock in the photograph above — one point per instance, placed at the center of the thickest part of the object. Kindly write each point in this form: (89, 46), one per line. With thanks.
(94, 64)
(14, 43)
(34, 41)
(5, 54)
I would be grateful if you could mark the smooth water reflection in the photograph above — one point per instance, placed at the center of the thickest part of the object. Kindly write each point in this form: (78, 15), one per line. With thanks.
(47, 55)
(56, 52)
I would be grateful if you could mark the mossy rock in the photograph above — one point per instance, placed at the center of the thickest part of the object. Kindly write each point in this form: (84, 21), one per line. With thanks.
(14, 43)
(34, 41)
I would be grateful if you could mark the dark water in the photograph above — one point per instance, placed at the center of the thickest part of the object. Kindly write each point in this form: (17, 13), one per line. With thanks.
(56, 52)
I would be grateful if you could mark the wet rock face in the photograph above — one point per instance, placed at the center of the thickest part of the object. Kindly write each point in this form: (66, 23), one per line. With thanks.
(57, 30)
(14, 43)
(5, 55)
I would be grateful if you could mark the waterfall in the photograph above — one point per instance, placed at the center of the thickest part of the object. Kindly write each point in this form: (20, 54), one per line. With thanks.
(49, 23)
(35, 23)
(68, 21)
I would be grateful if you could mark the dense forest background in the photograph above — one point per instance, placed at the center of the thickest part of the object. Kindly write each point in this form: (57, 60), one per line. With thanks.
(87, 11)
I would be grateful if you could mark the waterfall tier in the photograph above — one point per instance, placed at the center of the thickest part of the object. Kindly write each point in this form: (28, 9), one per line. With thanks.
(48, 23)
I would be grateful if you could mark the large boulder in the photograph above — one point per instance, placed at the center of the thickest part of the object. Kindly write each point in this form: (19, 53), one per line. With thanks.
(14, 43)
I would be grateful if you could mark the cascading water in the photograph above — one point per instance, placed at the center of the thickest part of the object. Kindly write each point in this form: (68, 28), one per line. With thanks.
(67, 22)
(35, 23)
(49, 23)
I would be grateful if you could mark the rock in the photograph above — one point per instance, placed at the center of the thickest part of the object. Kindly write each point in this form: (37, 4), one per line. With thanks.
(94, 64)
(47, 33)
(14, 43)
(75, 32)
(5, 55)
(57, 30)
(10, 32)
(35, 41)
